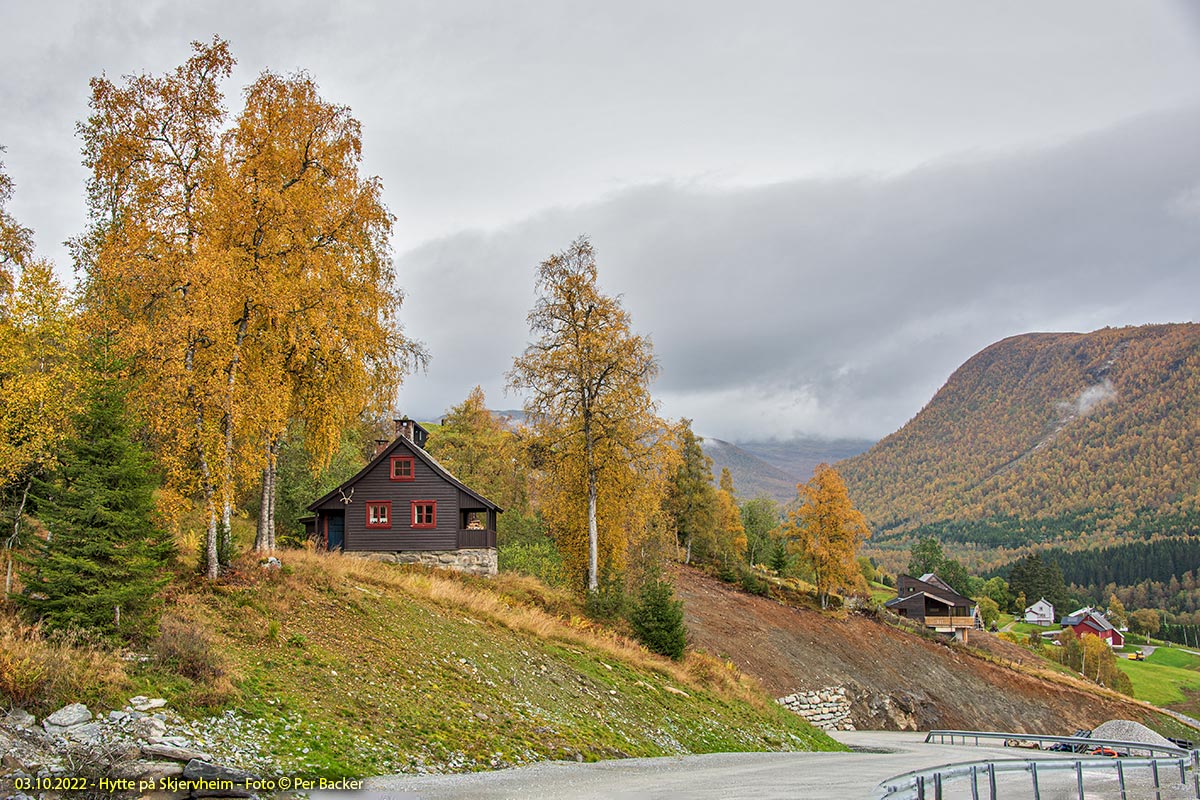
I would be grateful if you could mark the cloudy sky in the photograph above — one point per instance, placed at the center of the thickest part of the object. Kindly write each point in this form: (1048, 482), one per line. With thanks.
(817, 210)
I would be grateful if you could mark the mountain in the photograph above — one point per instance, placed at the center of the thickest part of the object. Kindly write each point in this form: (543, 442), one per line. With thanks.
(775, 467)
(1069, 438)
(799, 457)
(752, 475)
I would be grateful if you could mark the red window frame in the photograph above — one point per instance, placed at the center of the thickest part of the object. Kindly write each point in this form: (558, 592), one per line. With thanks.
(386, 505)
(431, 505)
(412, 468)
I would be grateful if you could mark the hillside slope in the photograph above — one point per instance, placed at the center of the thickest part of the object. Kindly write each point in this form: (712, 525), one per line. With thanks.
(1047, 436)
(895, 680)
(752, 476)
(347, 667)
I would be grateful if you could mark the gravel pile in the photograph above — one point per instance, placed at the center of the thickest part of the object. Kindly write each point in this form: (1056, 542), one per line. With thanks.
(1128, 731)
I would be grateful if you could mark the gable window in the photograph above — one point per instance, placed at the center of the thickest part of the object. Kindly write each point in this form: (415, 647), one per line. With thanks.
(424, 513)
(379, 514)
(403, 468)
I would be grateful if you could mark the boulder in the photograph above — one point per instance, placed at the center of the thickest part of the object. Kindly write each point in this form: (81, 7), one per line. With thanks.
(139, 770)
(20, 718)
(149, 728)
(85, 734)
(65, 717)
(225, 782)
(172, 753)
(146, 704)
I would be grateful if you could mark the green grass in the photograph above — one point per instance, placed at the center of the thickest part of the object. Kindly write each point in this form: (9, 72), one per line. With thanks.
(1025, 627)
(881, 593)
(354, 668)
(1158, 683)
(1171, 657)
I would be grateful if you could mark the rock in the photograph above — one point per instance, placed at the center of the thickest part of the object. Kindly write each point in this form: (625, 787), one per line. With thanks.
(85, 734)
(147, 770)
(20, 718)
(673, 690)
(149, 728)
(226, 782)
(147, 704)
(118, 716)
(173, 753)
(74, 714)
(10, 762)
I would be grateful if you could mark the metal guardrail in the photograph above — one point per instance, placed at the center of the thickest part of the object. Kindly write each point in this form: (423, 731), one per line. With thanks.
(1089, 743)
(917, 785)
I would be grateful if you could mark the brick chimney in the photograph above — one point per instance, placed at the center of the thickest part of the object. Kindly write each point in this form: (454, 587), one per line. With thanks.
(380, 446)
(404, 427)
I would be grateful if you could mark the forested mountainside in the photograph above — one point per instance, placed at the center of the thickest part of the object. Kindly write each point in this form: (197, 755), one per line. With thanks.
(1047, 436)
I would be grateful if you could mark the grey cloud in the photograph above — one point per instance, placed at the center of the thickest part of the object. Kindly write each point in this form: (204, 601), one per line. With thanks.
(837, 307)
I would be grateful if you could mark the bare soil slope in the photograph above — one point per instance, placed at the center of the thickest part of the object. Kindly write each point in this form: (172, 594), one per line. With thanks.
(896, 680)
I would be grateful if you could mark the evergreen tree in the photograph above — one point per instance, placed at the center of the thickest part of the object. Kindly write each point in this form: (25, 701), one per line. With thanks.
(103, 561)
(691, 500)
(657, 619)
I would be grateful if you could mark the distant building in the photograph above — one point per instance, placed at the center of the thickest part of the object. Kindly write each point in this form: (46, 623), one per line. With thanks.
(930, 601)
(1040, 613)
(1090, 622)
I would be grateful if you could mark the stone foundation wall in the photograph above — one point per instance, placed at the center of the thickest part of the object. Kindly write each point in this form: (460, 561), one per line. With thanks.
(828, 709)
(480, 561)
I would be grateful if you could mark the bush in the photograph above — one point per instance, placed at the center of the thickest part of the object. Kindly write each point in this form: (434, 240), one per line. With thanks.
(657, 620)
(608, 602)
(753, 584)
(539, 559)
(185, 648)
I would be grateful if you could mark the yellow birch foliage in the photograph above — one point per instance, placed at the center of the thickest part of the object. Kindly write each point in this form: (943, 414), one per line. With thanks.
(598, 439)
(826, 532)
(481, 452)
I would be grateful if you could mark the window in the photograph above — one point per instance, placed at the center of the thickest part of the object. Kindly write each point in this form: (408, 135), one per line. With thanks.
(403, 468)
(379, 515)
(424, 514)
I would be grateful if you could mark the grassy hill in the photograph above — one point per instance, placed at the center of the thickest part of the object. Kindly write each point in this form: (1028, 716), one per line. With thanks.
(336, 666)
(1048, 437)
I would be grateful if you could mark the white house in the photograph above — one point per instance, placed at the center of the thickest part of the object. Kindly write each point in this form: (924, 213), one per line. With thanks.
(1040, 613)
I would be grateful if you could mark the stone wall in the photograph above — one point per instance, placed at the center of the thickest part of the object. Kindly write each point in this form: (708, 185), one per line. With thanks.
(828, 709)
(481, 561)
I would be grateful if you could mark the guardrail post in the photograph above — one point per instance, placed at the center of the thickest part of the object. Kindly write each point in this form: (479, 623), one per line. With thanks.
(920, 787)
(974, 782)
(1196, 773)
(1157, 787)
(992, 782)
(937, 786)
(1037, 791)
(1121, 778)
(1079, 778)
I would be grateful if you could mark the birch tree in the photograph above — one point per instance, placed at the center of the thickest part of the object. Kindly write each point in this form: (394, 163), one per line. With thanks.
(586, 376)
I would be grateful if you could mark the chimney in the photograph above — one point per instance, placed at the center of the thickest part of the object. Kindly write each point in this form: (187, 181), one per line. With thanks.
(380, 446)
(404, 427)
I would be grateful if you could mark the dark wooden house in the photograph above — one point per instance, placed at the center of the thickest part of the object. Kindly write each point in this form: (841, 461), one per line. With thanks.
(405, 507)
(930, 601)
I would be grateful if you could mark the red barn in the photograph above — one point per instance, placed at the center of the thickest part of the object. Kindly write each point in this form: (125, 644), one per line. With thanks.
(1089, 622)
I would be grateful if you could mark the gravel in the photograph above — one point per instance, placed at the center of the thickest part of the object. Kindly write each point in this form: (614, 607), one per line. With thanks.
(1125, 730)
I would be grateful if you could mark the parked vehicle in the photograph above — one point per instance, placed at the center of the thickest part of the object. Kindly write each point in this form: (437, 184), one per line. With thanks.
(1137, 655)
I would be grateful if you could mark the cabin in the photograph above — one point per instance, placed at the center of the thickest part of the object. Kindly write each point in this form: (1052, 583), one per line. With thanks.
(404, 507)
(931, 602)
(1040, 613)
(1090, 622)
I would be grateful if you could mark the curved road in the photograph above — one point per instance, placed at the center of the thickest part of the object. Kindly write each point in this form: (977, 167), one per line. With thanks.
(762, 776)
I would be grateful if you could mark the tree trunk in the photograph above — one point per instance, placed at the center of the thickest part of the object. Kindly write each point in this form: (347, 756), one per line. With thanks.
(228, 425)
(260, 536)
(272, 474)
(16, 535)
(593, 536)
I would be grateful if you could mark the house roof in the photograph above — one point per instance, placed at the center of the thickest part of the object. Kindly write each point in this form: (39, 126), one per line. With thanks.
(935, 588)
(420, 453)
(1040, 602)
(1096, 620)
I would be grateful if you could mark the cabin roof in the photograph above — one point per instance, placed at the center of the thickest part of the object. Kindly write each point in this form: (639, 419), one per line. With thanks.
(420, 453)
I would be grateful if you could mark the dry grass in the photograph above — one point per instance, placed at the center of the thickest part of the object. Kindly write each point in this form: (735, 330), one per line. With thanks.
(524, 604)
(42, 672)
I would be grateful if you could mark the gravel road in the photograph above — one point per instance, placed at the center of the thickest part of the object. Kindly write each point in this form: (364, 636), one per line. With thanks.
(761, 776)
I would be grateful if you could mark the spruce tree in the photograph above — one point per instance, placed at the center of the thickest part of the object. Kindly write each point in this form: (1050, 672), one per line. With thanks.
(104, 558)
(657, 620)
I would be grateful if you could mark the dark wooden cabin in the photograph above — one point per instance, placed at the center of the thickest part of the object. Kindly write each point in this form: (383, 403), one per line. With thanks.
(404, 506)
(930, 601)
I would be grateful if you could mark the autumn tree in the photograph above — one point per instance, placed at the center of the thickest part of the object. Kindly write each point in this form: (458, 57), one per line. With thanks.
(480, 451)
(586, 377)
(243, 272)
(1145, 621)
(691, 500)
(826, 532)
(1116, 613)
(16, 241)
(731, 533)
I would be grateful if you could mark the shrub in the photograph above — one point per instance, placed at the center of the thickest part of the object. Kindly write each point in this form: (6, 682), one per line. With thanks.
(657, 620)
(608, 602)
(186, 648)
(538, 559)
(753, 584)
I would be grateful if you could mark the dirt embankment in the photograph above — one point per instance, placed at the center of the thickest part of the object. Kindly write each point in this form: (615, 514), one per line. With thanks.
(895, 680)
